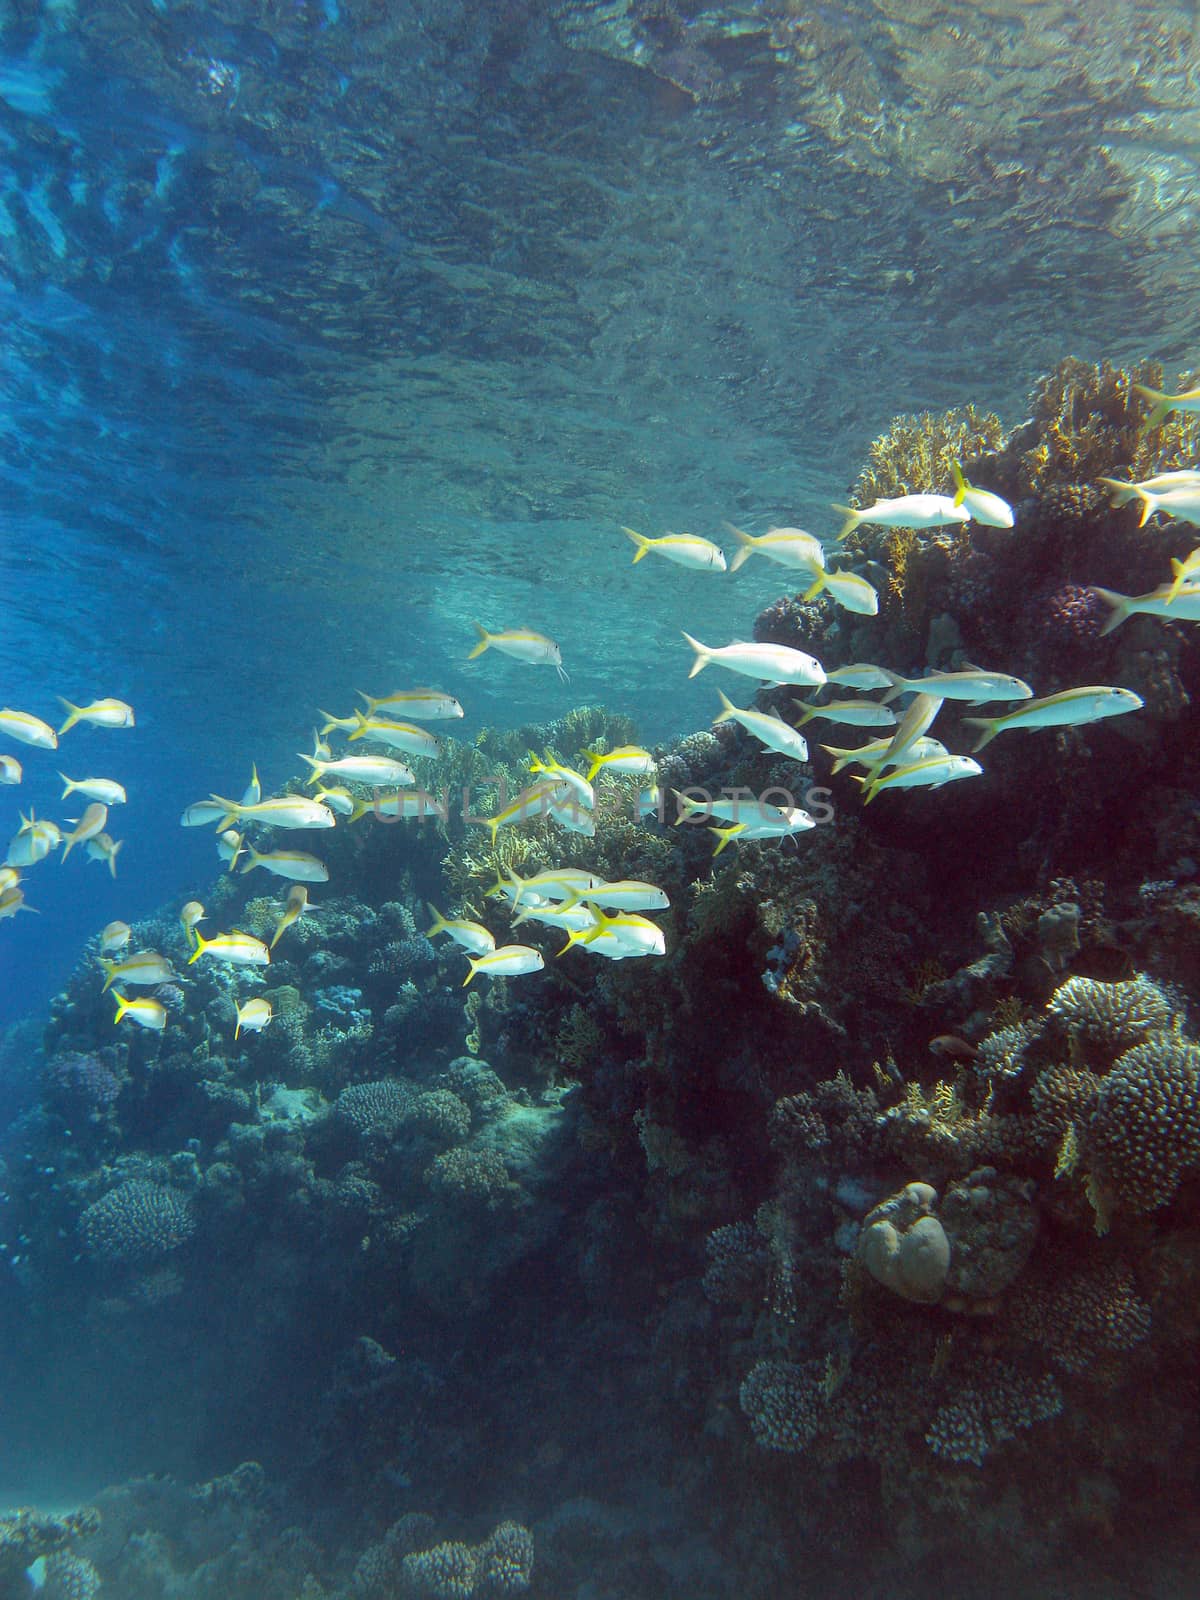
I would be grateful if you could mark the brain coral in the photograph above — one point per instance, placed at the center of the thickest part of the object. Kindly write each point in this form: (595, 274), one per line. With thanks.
(782, 1401)
(135, 1222)
(905, 1247)
(1144, 1133)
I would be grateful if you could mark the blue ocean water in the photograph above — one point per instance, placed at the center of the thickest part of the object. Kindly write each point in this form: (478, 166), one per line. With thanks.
(331, 328)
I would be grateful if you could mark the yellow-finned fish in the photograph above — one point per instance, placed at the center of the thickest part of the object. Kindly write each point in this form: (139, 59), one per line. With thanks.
(984, 506)
(1161, 405)
(768, 729)
(373, 770)
(522, 644)
(975, 685)
(793, 820)
(531, 802)
(101, 714)
(201, 813)
(1181, 500)
(931, 773)
(627, 894)
(143, 969)
(191, 913)
(145, 1011)
(105, 790)
(33, 842)
(1123, 490)
(506, 961)
(89, 825)
(418, 705)
(239, 949)
(293, 864)
(103, 847)
(684, 549)
(294, 907)
(338, 798)
(10, 769)
(252, 793)
(859, 675)
(567, 776)
(404, 736)
(9, 878)
(28, 729)
(866, 755)
(284, 811)
(472, 936)
(230, 846)
(1069, 709)
(553, 883)
(568, 810)
(787, 547)
(1179, 602)
(405, 805)
(572, 918)
(913, 725)
(114, 937)
(906, 511)
(620, 936)
(12, 900)
(1185, 571)
(253, 1016)
(850, 591)
(773, 663)
(855, 713)
(624, 758)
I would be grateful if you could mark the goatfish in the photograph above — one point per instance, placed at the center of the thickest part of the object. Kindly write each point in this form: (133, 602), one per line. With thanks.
(338, 798)
(973, 685)
(472, 936)
(856, 713)
(294, 907)
(521, 644)
(627, 894)
(1161, 405)
(773, 663)
(624, 758)
(103, 847)
(114, 937)
(373, 770)
(1179, 601)
(229, 846)
(619, 937)
(709, 810)
(650, 802)
(907, 511)
(984, 506)
(1183, 570)
(404, 736)
(190, 914)
(572, 918)
(252, 793)
(570, 813)
(859, 675)
(102, 789)
(552, 883)
(931, 773)
(1182, 500)
(866, 755)
(12, 900)
(1124, 491)
(770, 730)
(32, 842)
(567, 777)
(89, 825)
(684, 549)
(239, 949)
(293, 864)
(787, 547)
(531, 802)
(850, 591)
(10, 769)
(143, 969)
(420, 705)
(1069, 709)
(506, 961)
(253, 1016)
(793, 821)
(145, 1011)
(403, 805)
(284, 811)
(201, 813)
(915, 722)
(101, 714)
(28, 729)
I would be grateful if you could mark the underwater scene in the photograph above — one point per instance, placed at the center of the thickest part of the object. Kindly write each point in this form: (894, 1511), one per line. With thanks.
(599, 800)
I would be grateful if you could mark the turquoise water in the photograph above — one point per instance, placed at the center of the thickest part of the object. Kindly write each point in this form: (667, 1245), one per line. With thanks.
(329, 329)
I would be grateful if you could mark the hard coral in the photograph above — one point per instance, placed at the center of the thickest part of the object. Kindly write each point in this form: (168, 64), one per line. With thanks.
(136, 1222)
(783, 1403)
(1102, 1019)
(1144, 1134)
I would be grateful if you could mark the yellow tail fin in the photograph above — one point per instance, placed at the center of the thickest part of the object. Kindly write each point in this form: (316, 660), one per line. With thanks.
(485, 640)
(960, 483)
(75, 714)
(818, 584)
(123, 1006)
(728, 708)
(1121, 608)
(201, 945)
(1177, 567)
(439, 921)
(1161, 406)
(851, 518)
(747, 544)
(727, 836)
(703, 656)
(639, 539)
(990, 730)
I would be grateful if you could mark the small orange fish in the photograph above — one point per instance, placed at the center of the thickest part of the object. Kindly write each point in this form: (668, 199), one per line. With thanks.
(952, 1047)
